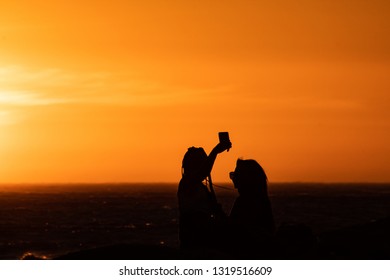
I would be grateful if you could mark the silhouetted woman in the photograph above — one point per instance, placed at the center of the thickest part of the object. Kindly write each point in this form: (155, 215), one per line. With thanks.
(198, 207)
(251, 216)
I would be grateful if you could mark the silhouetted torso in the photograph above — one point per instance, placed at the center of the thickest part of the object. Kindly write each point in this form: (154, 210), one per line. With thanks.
(196, 214)
(252, 227)
(254, 214)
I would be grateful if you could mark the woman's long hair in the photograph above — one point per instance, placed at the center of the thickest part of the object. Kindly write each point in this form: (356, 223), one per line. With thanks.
(250, 177)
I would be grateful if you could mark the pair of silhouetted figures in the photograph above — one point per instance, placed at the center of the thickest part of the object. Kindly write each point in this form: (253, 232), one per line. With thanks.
(204, 228)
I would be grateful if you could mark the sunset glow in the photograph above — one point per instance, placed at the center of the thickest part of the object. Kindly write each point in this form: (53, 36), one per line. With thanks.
(116, 91)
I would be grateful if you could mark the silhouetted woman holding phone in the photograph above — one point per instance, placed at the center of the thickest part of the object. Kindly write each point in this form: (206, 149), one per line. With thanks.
(199, 211)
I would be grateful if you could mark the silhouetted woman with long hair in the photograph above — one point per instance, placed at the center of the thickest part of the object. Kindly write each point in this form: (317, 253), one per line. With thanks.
(197, 205)
(251, 216)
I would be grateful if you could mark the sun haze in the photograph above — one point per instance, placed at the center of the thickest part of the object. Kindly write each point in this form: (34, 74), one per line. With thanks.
(116, 91)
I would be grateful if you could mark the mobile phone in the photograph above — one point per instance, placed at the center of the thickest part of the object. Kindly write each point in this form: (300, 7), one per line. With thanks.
(223, 137)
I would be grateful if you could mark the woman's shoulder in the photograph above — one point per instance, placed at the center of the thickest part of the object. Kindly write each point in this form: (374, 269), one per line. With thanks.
(191, 186)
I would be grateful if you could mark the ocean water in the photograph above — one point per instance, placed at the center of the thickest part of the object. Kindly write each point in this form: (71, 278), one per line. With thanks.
(51, 220)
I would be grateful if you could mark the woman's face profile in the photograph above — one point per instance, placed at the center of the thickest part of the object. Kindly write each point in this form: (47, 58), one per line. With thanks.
(237, 177)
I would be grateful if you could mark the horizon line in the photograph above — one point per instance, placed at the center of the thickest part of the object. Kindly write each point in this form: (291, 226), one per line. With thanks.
(176, 182)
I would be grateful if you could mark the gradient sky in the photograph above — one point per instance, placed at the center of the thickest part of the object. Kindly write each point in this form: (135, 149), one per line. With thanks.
(116, 91)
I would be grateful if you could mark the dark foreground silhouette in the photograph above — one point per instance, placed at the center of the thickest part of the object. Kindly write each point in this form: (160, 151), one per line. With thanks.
(251, 222)
(205, 232)
(293, 242)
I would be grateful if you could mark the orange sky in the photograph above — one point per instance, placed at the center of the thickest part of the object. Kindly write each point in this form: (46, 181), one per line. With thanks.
(115, 91)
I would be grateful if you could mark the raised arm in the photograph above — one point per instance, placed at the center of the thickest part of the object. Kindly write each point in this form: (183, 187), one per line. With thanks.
(219, 148)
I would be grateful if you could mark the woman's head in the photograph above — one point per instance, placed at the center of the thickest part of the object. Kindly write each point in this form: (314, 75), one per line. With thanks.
(249, 177)
(193, 160)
